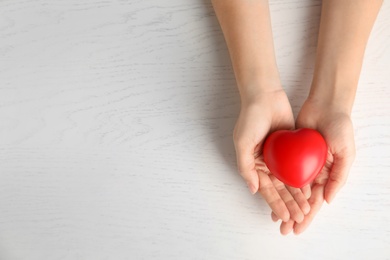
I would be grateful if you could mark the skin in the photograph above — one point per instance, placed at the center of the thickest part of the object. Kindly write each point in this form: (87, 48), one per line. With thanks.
(328, 108)
(265, 107)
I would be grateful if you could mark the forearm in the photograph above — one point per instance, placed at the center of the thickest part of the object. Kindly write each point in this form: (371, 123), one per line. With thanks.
(246, 26)
(344, 31)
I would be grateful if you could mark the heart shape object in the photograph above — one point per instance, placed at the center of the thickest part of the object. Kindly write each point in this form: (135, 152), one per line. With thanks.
(295, 157)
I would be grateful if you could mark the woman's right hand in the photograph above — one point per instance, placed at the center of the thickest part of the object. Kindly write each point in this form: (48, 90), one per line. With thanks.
(260, 115)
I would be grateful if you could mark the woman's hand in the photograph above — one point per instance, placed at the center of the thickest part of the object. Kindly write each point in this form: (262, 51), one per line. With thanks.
(259, 116)
(334, 123)
(344, 30)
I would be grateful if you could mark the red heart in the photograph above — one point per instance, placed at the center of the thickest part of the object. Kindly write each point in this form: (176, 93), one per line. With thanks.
(295, 157)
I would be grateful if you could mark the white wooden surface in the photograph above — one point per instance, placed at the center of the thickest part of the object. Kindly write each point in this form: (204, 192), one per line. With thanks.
(116, 120)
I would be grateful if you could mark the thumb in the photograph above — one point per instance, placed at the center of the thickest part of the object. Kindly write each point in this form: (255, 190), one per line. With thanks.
(338, 175)
(246, 166)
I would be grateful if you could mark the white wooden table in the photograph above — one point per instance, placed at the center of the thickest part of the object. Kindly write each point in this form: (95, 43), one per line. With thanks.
(116, 122)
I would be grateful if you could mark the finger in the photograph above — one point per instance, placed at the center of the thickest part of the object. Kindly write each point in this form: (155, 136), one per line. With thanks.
(270, 194)
(338, 176)
(246, 166)
(287, 227)
(292, 206)
(274, 217)
(306, 190)
(316, 199)
(300, 198)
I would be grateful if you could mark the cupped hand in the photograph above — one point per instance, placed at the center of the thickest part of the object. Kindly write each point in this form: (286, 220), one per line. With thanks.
(334, 123)
(259, 116)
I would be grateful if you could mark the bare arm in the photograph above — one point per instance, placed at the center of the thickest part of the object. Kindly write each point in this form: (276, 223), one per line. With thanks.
(264, 105)
(246, 26)
(344, 31)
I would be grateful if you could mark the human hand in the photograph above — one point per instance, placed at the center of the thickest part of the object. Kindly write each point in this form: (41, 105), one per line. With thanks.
(260, 115)
(334, 123)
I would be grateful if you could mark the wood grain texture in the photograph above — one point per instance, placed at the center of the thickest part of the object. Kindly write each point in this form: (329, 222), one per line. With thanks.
(116, 121)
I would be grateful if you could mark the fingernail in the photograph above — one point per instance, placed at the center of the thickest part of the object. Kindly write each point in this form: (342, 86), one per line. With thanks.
(330, 199)
(306, 210)
(296, 232)
(252, 188)
(300, 218)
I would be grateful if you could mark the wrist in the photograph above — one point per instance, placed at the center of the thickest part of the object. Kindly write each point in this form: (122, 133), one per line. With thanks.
(335, 86)
(331, 103)
(258, 89)
(333, 92)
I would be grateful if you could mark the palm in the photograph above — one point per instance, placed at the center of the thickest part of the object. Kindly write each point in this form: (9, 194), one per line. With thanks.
(336, 127)
(269, 113)
(272, 113)
(285, 200)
